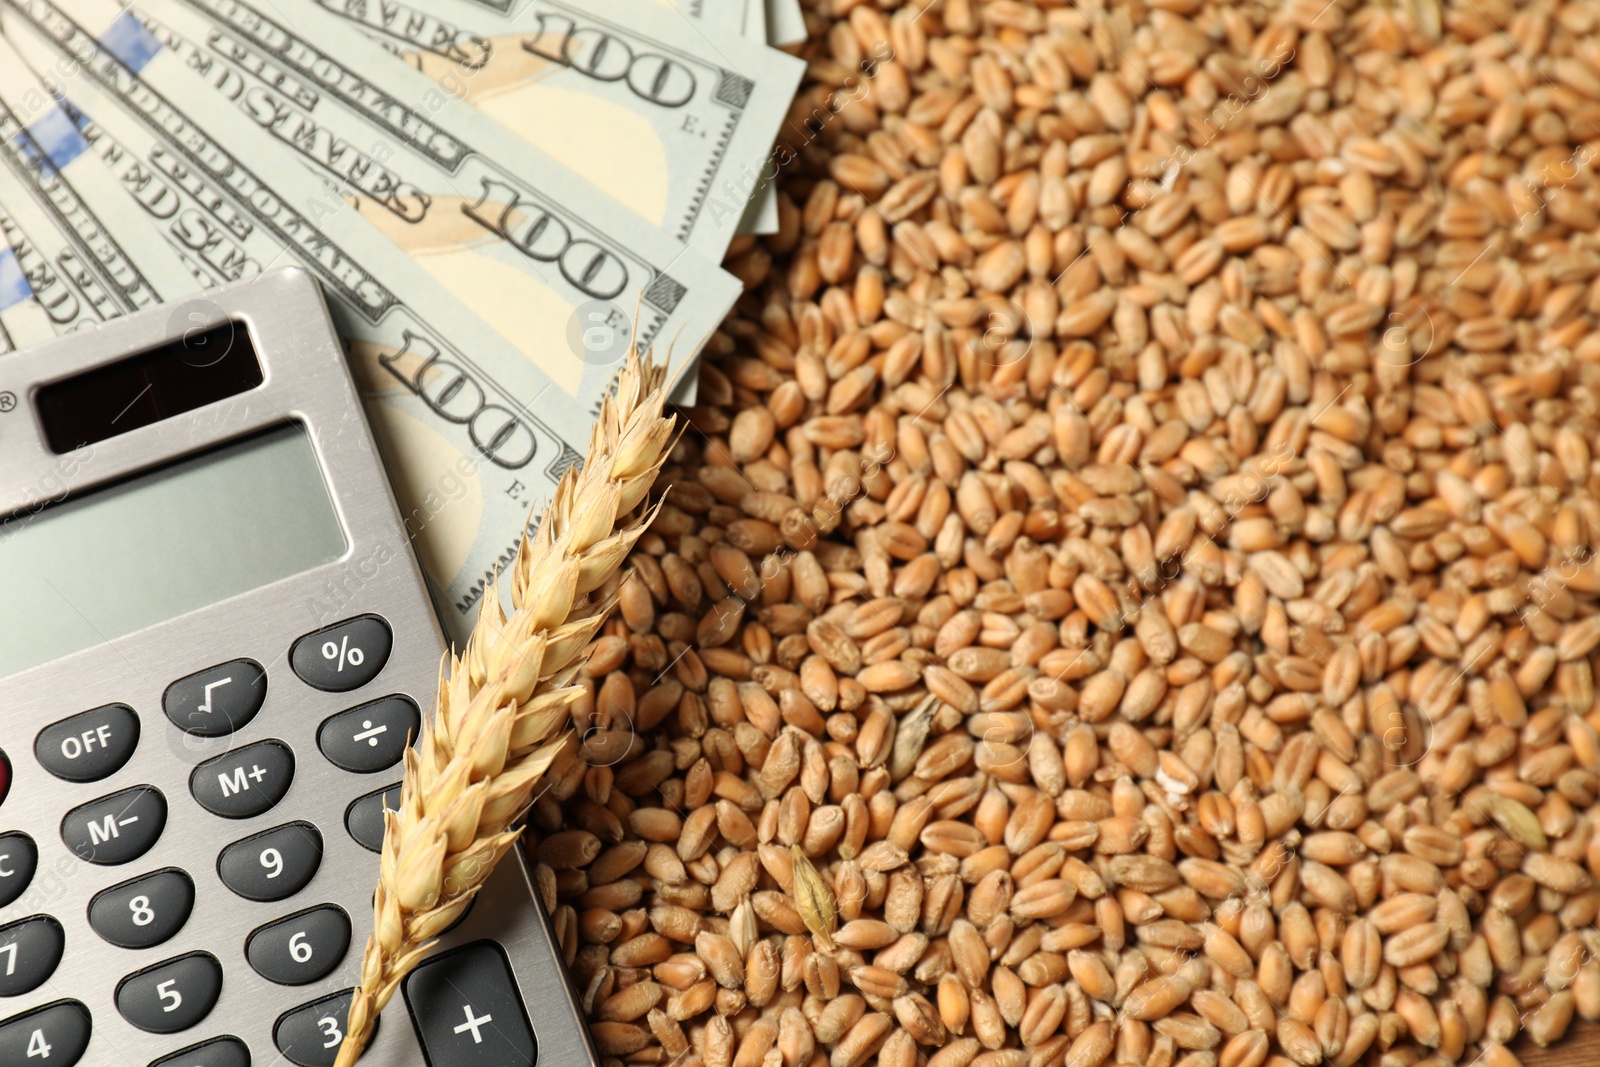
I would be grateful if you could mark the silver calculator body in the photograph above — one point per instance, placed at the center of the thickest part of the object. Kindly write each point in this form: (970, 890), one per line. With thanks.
(276, 497)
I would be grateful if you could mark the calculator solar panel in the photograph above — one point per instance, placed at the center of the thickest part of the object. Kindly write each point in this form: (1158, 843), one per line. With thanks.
(215, 645)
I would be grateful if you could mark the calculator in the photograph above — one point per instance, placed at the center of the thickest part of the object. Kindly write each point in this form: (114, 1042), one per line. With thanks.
(215, 646)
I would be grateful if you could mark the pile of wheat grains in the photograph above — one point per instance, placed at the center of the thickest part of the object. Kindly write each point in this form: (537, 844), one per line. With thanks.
(1126, 595)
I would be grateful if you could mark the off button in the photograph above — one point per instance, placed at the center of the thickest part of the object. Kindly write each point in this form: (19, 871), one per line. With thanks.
(89, 746)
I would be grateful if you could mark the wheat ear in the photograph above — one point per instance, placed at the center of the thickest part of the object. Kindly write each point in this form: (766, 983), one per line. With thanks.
(504, 702)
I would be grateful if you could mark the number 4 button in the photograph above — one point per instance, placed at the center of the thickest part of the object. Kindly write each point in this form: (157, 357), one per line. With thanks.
(53, 1037)
(468, 1011)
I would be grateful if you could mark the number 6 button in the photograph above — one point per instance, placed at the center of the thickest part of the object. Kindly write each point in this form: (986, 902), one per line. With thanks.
(171, 996)
(300, 948)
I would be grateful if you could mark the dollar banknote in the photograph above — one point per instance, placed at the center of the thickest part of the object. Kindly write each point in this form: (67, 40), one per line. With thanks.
(786, 24)
(475, 429)
(673, 114)
(74, 249)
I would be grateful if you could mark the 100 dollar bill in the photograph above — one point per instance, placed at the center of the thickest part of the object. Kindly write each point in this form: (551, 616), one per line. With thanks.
(74, 249)
(673, 117)
(475, 429)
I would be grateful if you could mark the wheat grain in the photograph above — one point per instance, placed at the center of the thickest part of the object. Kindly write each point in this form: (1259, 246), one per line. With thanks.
(504, 704)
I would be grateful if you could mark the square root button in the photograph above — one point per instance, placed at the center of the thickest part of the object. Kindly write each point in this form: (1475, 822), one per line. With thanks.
(468, 1011)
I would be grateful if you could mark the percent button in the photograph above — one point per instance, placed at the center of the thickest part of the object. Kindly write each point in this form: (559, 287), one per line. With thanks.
(344, 656)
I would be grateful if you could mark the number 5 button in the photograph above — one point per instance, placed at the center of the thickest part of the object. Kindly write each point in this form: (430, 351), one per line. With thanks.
(301, 948)
(171, 996)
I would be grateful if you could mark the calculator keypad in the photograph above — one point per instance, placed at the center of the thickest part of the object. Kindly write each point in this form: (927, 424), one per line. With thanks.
(468, 1010)
(118, 828)
(218, 700)
(171, 996)
(311, 1034)
(370, 737)
(57, 1035)
(300, 948)
(30, 951)
(244, 782)
(364, 818)
(344, 656)
(144, 912)
(89, 746)
(219, 1052)
(19, 858)
(273, 865)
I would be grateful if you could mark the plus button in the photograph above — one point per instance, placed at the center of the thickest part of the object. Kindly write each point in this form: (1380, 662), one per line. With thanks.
(473, 1024)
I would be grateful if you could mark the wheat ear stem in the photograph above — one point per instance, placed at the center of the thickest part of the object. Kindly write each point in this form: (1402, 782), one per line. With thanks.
(504, 702)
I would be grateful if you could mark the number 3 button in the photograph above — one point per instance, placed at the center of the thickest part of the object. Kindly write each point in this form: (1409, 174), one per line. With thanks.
(301, 948)
(171, 996)
(145, 911)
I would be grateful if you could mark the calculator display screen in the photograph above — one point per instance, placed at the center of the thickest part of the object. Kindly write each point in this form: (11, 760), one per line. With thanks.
(113, 561)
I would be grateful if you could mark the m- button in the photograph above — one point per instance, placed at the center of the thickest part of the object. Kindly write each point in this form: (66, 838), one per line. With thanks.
(89, 746)
(244, 782)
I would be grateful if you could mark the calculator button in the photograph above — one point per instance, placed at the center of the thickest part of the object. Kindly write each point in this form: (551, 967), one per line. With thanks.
(145, 911)
(310, 1035)
(274, 865)
(118, 828)
(171, 996)
(370, 737)
(218, 700)
(244, 782)
(56, 1036)
(19, 858)
(468, 1011)
(344, 656)
(364, 817)
(89, 746)
(30, 951)
(220, 1052)
(301, 948)
(5, 776)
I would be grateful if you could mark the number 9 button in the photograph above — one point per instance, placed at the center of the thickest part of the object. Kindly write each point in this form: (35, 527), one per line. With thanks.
(273, 865)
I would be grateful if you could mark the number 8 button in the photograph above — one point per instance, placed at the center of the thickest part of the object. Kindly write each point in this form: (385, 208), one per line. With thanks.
(145, 911)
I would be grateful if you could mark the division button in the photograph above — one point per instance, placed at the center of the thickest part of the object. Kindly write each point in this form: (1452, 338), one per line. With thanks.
(145, 911)
(218, 1052)
(300, 948)
(364, 817)
(57, 1035)
(30, 951)
(311, 1034)
(19, 858)
(273, 865)
(116, 828)
(218, 700)
(468, 1011)
(344, 656)
(244, 782)
(171, 996)
(89, 746)
(370, 737)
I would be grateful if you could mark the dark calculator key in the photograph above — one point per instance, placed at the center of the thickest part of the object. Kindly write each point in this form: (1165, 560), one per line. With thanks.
(370, 737)
(19, 858)
(89, 746)
(364, 817)
(171, 996)
(300, 948)
(56, 1036)
(5, 776)
(218, 1052)
(311, 1034)
(118, 828)
(273, 865)
(30, 951)
(244, 782)
(145, 911)
(468, 1011)
(218, 700)
(344, 656)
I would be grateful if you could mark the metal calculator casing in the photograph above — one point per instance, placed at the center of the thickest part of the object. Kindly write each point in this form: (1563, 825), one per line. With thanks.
(307, 381)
